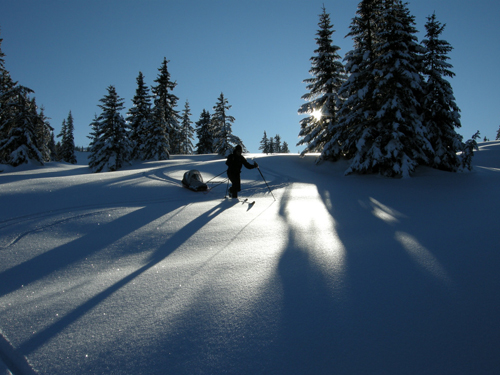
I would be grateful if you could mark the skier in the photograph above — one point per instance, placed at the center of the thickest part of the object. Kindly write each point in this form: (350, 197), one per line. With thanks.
(234, 163)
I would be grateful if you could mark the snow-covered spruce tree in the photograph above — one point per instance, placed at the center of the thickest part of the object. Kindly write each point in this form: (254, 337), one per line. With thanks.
(111, 148)
(285, 149)
(264, 144)
(18, 121)
(356, 112)
(67, 148)
(396, 142)
(6, 86)
(164, 128)
(139, 118)
(328, 74)
(187, 131)
(441, 113)
(94, 136)
(52, 146)
(60, 150)
(221, 128)
(43, 134)
(468, 152)
(205, 140)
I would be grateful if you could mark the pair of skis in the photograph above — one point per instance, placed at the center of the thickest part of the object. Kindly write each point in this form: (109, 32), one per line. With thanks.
(246, 200)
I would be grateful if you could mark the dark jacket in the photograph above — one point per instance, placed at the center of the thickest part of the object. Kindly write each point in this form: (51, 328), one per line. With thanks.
(234, 163)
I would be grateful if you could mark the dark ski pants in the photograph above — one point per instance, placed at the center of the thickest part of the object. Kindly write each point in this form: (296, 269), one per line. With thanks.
(235, 184)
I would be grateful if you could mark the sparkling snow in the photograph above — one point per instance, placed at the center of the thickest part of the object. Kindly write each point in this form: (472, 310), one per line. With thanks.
(128, 273)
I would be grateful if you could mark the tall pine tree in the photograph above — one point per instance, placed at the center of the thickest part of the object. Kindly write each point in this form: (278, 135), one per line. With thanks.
(277, 143)
(356, 113)
(164, 135)
(322, 99)
(441, 113)
(221, 125)
(203, 132)
(397, 141)
(139, 118)
(43, 133)
(111, 147)
(380, 126)
(67, 148)
(18, 122)
(186, 131)
(264, 144)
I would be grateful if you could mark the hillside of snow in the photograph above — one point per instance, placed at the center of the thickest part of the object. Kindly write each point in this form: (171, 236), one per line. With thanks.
(129, 273)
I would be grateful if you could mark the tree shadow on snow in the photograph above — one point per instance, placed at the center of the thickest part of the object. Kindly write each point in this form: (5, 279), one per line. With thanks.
(397, 298)
(59, 258)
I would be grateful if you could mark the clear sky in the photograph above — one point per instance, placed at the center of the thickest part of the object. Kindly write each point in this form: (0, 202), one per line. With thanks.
(256, 52)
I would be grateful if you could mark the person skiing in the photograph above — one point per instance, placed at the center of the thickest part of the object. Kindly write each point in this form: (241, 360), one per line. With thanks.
(234, 163)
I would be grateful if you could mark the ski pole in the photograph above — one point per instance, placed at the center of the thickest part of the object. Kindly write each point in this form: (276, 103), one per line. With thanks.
(216, 176)
(218, 183)
(266, 183)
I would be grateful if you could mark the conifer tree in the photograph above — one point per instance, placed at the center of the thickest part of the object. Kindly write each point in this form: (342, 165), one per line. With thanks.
(221, 125)
(187, 131)
(355, 116)
(67, 149)
(468, 152)
(18, 127)
(111, 147)
(264, 144)
(2, 59)
(139, 118)
(380, 124)
(18, 121)
(60, 148)
(498, 134)
(441, 114)
(163, 137)
(94, 136)
(157, 144)
(285, 149)
(52, 146)
(397, 141)
(43, 133)
(205, 140)
(277, 144)
(271, 145)
(322, 99)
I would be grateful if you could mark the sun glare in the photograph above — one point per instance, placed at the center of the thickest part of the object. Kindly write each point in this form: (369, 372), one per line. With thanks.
(317, 114)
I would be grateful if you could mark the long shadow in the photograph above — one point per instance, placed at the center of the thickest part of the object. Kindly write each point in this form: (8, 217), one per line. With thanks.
(310, 338)
(385, 308)
(48, 171)
(65, 255)
(171, 245)
(399, 317)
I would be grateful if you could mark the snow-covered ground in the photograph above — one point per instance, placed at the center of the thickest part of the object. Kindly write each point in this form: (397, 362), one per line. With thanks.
(128, 273)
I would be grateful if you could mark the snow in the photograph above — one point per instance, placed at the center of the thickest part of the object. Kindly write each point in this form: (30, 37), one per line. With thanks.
(128, 273)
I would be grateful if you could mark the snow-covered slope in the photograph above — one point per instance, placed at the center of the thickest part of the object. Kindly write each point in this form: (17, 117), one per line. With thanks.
(129, 273)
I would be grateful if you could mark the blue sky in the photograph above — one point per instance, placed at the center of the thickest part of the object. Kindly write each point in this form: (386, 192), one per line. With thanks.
(256, 52)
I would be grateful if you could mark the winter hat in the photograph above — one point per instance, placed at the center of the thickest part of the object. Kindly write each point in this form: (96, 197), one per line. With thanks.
(238, 148)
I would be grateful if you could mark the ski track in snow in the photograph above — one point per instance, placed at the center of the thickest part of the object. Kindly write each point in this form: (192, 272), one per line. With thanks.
(127, 272)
